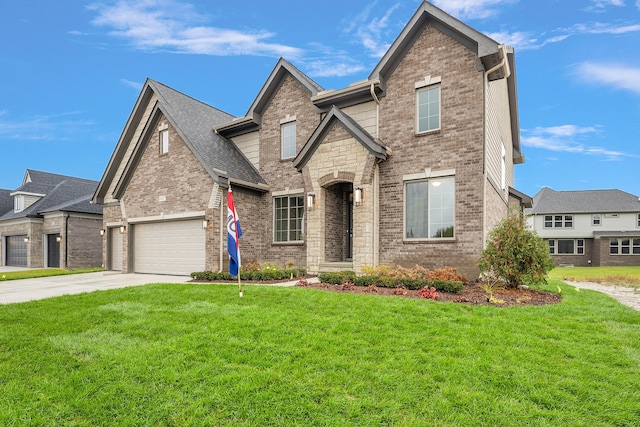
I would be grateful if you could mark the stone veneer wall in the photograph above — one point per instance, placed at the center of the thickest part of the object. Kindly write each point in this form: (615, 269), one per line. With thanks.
(457, 145)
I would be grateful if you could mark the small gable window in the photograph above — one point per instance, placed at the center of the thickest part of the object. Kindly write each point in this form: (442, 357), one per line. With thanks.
(428, 104)
(18, 203)
(288, 136)
(164, 141)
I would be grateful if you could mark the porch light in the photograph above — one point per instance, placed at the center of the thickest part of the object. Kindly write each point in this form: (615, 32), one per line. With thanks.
(102, 231)
(58, 239)
(205, 224)
(357, 197)
(122, 228)
(311, 200)
(26, 239)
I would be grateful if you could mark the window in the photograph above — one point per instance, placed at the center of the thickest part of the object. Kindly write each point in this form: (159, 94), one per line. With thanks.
(558, 221)
(626, 246)
(596, 219)
(288, 135)
(638, 223)
(429, 208)
(18, 203)
(164, 141)
(288, 217)
(566, 247)
(428, 102)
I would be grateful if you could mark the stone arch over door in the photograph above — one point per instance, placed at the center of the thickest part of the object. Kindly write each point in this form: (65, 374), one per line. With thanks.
(338, 222)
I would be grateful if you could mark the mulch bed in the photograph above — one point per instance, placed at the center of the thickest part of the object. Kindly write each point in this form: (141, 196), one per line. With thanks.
(472, 294)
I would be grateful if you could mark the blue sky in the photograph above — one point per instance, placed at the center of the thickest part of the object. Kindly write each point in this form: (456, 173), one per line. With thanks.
(71, 71)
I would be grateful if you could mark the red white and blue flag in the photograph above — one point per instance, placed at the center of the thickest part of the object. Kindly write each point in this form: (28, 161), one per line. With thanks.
(234, 232)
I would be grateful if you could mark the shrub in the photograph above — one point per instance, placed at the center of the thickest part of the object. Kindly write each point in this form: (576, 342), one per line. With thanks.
(429, 293)
(515, 254)
(337, 277)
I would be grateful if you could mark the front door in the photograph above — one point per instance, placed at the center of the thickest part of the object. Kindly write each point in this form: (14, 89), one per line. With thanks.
(53, 250)
(349, 224)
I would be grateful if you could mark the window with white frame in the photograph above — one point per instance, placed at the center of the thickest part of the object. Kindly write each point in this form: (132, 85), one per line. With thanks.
(596, 219)
(288, 219)
(558, 221)
(428, 103)
(429, 208)
(624, 246)
(638, 223)
(164, 141)
(566, 246)
(18, 203)
(288, 137)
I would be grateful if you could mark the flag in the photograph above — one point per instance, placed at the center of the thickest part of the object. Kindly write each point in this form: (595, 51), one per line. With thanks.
(234, 232)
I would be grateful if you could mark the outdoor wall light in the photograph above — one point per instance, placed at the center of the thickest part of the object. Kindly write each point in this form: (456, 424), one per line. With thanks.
(26, 239)
(357, 197)
(102, 231)
(311, 200)
(205, 224)
(122, 228)
(58, 239)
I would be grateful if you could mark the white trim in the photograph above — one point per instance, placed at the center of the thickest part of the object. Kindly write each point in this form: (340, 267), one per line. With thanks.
(168, 217)
(288, 119)
(287, 192)
(26, 193)
(428, 173)
(428, 81)
(418, 91)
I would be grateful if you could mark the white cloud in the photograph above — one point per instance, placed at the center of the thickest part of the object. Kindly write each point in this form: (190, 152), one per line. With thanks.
(171, 26)
(56, 127)
(135, 85)
(372, 32)
(600, 5)
(471, 9)
(616, 75)
(568, 139)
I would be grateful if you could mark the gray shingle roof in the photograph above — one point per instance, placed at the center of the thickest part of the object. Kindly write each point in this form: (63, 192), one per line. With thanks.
(6, 201)
(549, 201)
(61, 193)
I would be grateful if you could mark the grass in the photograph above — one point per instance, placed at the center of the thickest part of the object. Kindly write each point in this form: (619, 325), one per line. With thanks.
(623, 276)
(45, 272)
(194, 355)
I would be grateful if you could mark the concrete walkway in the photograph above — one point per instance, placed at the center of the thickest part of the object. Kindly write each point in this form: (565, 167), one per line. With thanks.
(12, 291)
(627, 296)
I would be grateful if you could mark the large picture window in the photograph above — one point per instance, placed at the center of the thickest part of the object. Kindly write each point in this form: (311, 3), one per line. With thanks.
(288, 217)
(288, 135)
(428, 115)
(429, 208)
(566, 246)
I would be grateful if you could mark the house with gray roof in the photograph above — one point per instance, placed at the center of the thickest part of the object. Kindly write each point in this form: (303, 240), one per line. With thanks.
(51, 222)
(588, 227)
(413, 165)
(6, 201)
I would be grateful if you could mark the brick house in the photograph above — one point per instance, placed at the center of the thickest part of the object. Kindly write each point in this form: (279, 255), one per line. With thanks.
(51, 222)
(588, 227)
(413, 165)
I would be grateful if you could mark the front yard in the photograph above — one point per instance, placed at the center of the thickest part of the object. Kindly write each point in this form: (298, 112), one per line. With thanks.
(198, 354)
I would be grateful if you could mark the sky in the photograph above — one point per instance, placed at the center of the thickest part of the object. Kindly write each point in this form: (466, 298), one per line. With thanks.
(71, 71)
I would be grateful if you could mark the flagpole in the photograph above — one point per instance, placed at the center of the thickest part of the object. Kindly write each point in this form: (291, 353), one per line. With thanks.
(239, 283)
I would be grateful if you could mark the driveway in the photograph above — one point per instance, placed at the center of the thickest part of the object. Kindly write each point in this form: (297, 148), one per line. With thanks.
(12, 291)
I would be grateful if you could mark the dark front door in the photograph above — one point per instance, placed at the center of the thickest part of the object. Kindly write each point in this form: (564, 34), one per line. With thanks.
(53, 250)
(349, 223)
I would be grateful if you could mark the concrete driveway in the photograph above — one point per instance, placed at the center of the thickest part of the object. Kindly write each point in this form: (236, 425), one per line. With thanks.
(12, 291)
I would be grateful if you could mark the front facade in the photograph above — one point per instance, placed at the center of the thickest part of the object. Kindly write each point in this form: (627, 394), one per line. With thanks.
(588, 228)
(413, 165)
(51, 223)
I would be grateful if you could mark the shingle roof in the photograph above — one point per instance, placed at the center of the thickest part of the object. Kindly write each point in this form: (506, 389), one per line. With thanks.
(583, 201)
(61, 193)
(6, 201)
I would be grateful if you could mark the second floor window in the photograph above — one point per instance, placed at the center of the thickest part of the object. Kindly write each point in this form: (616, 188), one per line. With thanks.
(164, 141)
(288, 136)
(558, 221)
(596, 219)
(428, 114)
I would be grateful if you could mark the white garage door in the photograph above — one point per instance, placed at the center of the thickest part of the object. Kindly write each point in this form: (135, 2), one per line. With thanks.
(175, 247)
(115, 249)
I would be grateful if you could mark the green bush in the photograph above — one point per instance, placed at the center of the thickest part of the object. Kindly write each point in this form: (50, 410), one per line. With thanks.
(515, 254)
(452, 287)
(337, 277)
(260, 275)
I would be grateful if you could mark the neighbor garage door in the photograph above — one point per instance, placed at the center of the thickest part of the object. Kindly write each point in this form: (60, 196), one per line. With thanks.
(16, 251)
(175, 247)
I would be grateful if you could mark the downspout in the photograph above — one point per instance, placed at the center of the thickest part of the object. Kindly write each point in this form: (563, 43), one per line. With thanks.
(503, 63)
(375, 98)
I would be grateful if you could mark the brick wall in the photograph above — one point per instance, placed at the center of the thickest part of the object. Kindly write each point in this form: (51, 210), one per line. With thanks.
(84, 244)
(458, 145)
(608, 260)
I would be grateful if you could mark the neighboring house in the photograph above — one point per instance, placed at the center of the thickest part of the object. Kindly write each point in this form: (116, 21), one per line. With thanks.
(51, 222)
(588, 228)
(413, 165)
(6, 201)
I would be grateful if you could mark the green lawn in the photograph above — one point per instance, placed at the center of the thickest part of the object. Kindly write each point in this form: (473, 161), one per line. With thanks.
(198, 355)
(44, 272)
(625, 276)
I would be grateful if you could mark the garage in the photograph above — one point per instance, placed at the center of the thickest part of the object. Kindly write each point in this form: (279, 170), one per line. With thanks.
(171, 247)
(17, 251)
